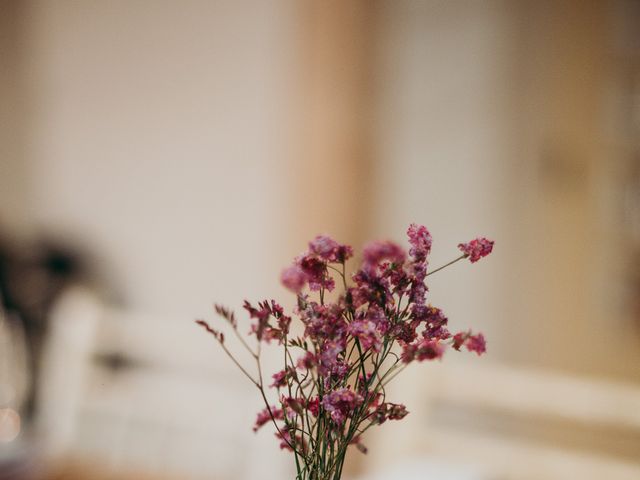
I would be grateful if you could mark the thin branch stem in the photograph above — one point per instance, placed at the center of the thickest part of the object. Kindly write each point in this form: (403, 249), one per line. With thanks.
(233, 359)
(244, 343)
(447, 264)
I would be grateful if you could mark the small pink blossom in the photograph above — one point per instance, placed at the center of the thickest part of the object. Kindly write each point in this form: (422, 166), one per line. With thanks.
(323, 246)
(365, 331)
(330, 250)
(376, 252)
(476, 343)
(330, 364)
(293, 278)
(429, 350)
(400, 276)
(477, 248)
(315, 270)
(405, 332)
(218, 335)
(324, 322)
(420, 240)
(264, 417)
(418, 292)
(313, 405)
(263, 330)
(281, 378)
(307, 362)
(376, 315)
(389, 411)
(424, 349)
(371, 288)
(340, 403)
(261, 314)
(287, 440)
(396, 411)
(473, 343)
(436, 323)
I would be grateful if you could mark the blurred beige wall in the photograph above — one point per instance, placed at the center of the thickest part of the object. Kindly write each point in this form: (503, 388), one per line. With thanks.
(512, 120)
(496, 118)
(331, 170)
(193, 148)
(170, 138)
(442, 145)
(157, 133)
(572, 118)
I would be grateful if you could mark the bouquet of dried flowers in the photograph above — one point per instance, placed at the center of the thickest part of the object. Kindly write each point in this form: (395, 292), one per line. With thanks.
(351, 345)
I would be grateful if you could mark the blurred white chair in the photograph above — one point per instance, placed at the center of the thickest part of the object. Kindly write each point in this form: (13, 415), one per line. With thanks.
(137, 392)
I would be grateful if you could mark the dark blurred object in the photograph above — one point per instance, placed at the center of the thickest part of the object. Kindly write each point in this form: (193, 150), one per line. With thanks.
(31, 280)
(20, 468)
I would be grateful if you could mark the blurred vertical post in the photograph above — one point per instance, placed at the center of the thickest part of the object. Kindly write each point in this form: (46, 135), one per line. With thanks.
(15, 200)
(332, 159)
(567, 167)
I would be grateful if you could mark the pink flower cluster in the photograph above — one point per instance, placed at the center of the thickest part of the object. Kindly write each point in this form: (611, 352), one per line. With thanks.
(477, 248)
(389, 411)
(332, 385)
(340, 403)
(311, 268)
(473, 343)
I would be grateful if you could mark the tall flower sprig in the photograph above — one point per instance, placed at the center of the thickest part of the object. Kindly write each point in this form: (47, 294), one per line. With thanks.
(332, 387)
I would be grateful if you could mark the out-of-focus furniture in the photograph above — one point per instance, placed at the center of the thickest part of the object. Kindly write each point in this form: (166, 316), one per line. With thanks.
(139, 392)
(500, 422)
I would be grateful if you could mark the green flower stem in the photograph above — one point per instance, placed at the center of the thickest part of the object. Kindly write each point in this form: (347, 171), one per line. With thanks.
(447, 264)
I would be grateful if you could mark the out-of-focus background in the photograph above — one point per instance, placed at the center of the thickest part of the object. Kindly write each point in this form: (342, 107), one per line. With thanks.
(157, 156)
